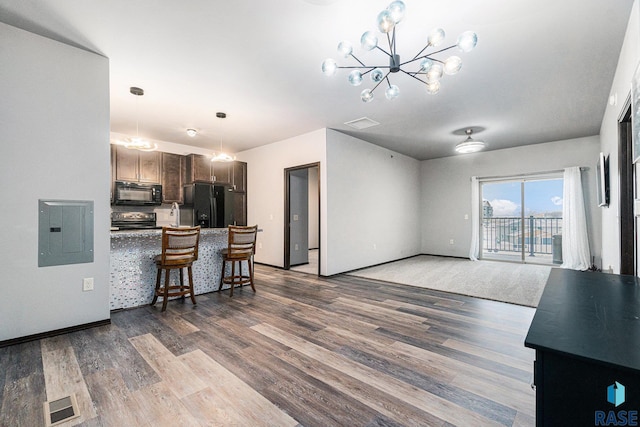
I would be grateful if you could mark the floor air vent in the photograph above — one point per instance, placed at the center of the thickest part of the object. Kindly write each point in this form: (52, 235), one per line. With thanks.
(61, 410)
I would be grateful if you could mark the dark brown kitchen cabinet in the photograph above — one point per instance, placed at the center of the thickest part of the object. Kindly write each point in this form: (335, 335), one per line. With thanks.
(137, 166)
(172, 165)
(200, 168)
(221, 172)
(239, 176)
(239, 208)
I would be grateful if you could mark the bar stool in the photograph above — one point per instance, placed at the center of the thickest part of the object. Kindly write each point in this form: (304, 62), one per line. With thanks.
(179, 250)
(241, 247)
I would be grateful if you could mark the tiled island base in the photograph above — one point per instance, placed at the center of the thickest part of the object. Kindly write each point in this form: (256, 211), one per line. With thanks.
(133, 272)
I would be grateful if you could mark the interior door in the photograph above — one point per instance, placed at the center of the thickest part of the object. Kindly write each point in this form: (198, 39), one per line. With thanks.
(299, 216)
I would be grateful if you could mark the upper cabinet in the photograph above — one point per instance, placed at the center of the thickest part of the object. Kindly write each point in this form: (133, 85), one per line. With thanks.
(221, 172)
(137, 166)
(200, 168)
(172, 171)
(239, 176)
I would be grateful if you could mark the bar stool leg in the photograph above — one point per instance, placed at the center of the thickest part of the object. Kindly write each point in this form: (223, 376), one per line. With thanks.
(233, 277)
(181, 282)
(251, 274)
(224, 264)
(155, 294)
(166, 289)
(193, 297)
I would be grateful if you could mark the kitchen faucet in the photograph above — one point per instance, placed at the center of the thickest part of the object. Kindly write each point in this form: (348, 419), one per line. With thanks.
(175, 212)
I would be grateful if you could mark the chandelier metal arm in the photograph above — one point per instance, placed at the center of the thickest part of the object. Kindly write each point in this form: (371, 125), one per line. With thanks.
(386, 77)
(419, 53)
(360, 62)
(383, 51)
(442, 50)
(392, 41)
(429, 55)
(414, 75)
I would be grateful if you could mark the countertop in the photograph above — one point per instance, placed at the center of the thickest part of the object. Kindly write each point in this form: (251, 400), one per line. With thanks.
(590, 316)
(150, 232)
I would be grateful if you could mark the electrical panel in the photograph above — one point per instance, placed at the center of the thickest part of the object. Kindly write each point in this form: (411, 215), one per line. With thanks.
(65, 232)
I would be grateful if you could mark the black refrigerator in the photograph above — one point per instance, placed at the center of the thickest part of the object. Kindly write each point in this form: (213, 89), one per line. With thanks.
(207, 205)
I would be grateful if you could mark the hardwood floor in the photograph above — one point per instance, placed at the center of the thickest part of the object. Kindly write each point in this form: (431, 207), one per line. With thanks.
(302, 351)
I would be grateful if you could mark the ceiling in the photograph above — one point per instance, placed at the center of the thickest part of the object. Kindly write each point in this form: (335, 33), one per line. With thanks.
(541, 71)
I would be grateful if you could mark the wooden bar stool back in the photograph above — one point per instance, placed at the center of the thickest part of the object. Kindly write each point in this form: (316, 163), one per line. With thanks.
(179, 250)
(241, 247)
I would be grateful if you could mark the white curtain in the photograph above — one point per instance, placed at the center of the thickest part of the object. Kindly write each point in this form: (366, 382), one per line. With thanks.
(475, 219)
(575, 240)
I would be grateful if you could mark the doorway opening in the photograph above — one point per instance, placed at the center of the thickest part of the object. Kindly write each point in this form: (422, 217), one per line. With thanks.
(302, 219)
(628, 263)
(522, 219)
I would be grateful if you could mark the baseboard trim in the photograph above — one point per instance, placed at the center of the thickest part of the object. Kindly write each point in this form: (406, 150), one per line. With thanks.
(380, 263)
(49, 334)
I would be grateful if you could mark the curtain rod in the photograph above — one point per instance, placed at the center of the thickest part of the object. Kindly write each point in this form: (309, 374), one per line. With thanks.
(522, 175)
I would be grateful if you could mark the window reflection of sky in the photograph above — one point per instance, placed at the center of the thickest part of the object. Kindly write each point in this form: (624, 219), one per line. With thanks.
(540, 196)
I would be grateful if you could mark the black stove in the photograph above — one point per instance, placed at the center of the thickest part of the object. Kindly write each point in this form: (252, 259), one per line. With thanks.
(133, 220)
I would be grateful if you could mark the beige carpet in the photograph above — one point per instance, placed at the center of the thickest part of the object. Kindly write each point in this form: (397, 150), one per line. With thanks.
(520, 284)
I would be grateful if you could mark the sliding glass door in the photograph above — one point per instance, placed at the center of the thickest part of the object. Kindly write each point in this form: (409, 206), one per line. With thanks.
(522, 219)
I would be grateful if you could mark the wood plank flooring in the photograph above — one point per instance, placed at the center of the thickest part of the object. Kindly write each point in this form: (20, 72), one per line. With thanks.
(302, 351)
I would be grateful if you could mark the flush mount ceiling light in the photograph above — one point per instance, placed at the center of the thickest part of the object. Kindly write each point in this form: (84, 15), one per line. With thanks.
(469, 145)
(430, 69)
(221, 156)
(138, 143)
(192, 132)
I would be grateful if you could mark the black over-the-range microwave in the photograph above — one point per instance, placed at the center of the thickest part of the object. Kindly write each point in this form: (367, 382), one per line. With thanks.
(137, 194)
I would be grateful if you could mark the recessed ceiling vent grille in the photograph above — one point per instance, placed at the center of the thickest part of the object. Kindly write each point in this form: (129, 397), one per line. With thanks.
(362, 123)
(59, 411)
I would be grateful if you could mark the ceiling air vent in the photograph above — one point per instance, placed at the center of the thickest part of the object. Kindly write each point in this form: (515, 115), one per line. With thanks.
(362, 123)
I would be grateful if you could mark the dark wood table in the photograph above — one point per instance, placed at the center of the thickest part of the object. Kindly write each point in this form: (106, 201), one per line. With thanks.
(586, 333)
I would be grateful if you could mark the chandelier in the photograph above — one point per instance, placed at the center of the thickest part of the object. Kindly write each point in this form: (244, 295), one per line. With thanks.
(430, 70)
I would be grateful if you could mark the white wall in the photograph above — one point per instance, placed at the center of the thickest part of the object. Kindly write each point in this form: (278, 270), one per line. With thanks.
(621, 88)
(54, 134)
(372, 204)
(446, 188)
(368, 196)
(265, 190)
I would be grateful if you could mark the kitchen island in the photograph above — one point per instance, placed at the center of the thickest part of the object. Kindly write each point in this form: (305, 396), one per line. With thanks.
(133, 272)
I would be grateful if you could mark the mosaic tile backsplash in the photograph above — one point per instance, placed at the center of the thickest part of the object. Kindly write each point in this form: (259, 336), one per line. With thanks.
(133, 272)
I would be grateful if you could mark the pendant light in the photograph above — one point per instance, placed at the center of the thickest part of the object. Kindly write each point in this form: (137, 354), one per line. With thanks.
(221, 156)
(138, 143)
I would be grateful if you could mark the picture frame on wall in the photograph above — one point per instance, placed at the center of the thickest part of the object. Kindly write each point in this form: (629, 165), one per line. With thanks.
(635, 114)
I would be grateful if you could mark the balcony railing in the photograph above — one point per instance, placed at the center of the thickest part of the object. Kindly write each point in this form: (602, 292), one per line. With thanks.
(506, 234)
